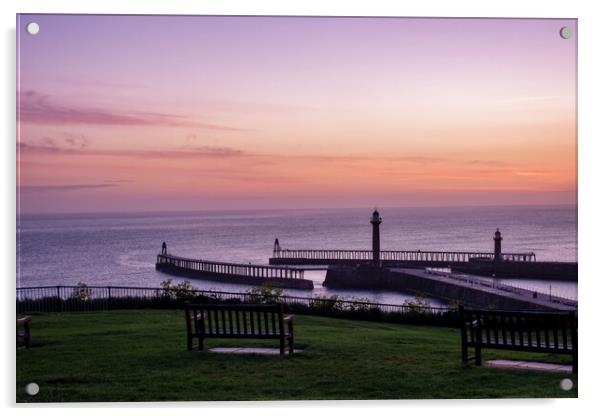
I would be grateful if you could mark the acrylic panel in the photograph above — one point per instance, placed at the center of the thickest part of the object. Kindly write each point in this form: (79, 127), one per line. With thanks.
(295, 208)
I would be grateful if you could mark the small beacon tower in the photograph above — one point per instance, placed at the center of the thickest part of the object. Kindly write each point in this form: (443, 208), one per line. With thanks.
(497, 245)
(375, 221)
(277, 248)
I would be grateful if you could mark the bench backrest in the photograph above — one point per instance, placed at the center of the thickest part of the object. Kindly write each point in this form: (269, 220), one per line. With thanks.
(554, 331)
(240, 320)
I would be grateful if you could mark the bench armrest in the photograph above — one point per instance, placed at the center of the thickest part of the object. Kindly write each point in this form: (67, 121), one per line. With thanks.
(288, 318)
(23, 320)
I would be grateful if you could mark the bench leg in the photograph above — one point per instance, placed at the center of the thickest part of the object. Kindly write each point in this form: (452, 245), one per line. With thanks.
(201, 343)
(464, 341)
(281, 345)
(189, 342)
(477, 354)
(291, 345)
(464, 354)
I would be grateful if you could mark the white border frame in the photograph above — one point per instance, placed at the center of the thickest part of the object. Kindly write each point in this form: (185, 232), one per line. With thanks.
(590, 32)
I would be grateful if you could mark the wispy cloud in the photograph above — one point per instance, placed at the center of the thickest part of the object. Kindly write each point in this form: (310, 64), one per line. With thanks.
(94, 83)
(76, 140)
(71, 187)
(119, 181)
(488, 163)
(54, 146)
(535, 98)
(418, 160)
(40, 109)
(531, 173)
(48, 145)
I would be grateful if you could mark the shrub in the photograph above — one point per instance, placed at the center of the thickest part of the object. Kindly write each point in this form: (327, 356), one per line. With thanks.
(362, 304)
(325, 304)
(183, 291)
(453, 305)
(418, 304)
(81, 292)
(417, 301)
(265, 293)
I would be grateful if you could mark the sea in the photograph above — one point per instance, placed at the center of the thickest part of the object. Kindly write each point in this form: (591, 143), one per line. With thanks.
(120, 249)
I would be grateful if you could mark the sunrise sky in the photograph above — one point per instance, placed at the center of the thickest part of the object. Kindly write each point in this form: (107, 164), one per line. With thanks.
(132, 113)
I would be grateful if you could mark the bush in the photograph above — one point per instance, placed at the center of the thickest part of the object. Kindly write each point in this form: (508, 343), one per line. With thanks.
(418, 303)
(453, 305)
(81, 292)
(325, 304)
(183, 291)
(361, 306)
(265, 293)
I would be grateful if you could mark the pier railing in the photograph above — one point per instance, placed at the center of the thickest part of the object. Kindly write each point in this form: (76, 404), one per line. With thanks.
(239, 269)
(101, 298)
(400, 255)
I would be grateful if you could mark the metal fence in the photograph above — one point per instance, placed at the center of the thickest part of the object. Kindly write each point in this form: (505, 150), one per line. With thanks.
(102, 298)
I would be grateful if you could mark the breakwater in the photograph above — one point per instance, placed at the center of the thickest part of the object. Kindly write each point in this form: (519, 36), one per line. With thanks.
(491, 264)
(506, 265)
(458, 288)
(541, 270)
(249, 274)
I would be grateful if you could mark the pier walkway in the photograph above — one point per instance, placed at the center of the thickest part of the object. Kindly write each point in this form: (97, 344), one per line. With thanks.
(437, 283)
(285, 277)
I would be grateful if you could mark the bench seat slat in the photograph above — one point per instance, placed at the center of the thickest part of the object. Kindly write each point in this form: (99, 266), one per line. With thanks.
(534, 344)
(254, 336)
(493, 344)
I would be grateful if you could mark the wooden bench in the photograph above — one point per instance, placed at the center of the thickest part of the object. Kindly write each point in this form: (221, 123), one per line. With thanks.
(238, 321)
(547, 332)
(23, 331)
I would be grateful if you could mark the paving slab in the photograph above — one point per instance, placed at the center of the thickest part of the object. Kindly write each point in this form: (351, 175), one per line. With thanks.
(224, 349)
(240, 350)
(530, 365)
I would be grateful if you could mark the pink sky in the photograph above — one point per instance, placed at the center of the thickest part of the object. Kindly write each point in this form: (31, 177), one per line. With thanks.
(127, 113)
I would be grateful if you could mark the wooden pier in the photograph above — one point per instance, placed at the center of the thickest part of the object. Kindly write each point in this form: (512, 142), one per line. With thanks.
(283, 277)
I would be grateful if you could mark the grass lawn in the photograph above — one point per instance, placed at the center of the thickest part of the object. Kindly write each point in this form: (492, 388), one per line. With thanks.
(140, 355)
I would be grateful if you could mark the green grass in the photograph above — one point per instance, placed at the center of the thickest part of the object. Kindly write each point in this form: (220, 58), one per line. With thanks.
(140, 355)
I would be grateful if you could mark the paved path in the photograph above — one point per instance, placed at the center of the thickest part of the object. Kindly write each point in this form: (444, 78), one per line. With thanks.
(529, 365)
(240, 350)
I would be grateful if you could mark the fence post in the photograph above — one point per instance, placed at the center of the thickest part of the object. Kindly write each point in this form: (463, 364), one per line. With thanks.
(58, 299)
(109, 299)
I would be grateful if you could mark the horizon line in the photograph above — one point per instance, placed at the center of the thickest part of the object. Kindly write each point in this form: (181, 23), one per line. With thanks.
(230, 210)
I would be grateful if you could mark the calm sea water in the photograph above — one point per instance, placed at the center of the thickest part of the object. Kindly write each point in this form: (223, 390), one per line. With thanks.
(120, 249)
